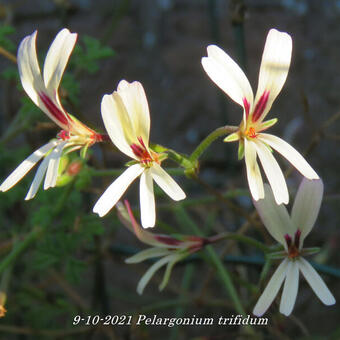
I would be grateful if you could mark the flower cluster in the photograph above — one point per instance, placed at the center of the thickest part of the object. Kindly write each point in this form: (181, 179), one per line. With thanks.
(126, 117)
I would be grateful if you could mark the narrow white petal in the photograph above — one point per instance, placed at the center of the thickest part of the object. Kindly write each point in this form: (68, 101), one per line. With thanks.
(290, 288)
(117, 123)
(167, 184)
(317, 284)
(147, 200)
(271, 290)
(39, 175)
(53, 166)
(113, 193)
(29, 69)
(287, 151)
(274, 67)
(147, 254)
(273, 173)
(253, 171)
(57, 58)
(151, 271)
(307, 205)
(275, 217)
(33, 84)
(227, 75)
(26, 166)
(136, 104)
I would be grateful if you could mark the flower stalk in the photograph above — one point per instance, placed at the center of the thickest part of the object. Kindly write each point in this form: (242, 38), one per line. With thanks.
(219, 132)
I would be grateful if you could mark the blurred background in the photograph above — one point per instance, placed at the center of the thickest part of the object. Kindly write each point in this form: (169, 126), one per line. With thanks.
(76, 267)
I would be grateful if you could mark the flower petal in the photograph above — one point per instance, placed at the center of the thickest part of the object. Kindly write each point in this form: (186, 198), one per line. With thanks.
(148, 254)
(169, 268)
(113, 193)
(151, 271)
(136, 105)
(29, 69)
(53, 166)
(57, 58)
(117, 123)
(271, 290)
(273, 173)
(147, 200)
(274, 68)
(39, 175)
(307, 205)
(287, 151)
(315, 281)
(290, 288)
(228, 76)
(275, 217)
(165, 181)
(253, 171)
(26, 166)
(33, 84)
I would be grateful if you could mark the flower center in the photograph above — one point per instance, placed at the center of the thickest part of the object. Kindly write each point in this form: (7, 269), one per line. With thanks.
(145, 156)
(293, 246)
(64, 135)
(251, 133)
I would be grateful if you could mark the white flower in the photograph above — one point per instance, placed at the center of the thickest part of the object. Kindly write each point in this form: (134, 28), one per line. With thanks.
(126, 117)
(252, 142)
(291, 231)
(169, 249)
(43, 90)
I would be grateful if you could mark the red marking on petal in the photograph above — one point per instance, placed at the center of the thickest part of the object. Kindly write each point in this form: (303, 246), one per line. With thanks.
(53, 109)
(297, 238)
(137, 150)
(167, 240)
(246, 106)
(293, 248)
(98, 137)
(132, 218)
(260, 106)
(64, 135)
(140, 140)
(288, 240)
(141, 152)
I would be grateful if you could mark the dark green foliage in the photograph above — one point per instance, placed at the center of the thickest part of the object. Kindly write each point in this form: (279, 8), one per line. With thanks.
(5, 40)
(87, 58)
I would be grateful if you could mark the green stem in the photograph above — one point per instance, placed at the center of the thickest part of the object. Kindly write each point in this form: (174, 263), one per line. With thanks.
(19, 248)
(185, 286)
(180, 159)
(221, 131)
(242, 238)
(226, 279)
(221, 269)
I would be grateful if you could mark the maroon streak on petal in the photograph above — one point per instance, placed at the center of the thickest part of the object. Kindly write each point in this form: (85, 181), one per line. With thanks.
(167, 240)
(288, 240)
(53, 109)
(137, 150)
(101, 137)
(140, 139)
(246, 106)
(297, 238)
(260, 106)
